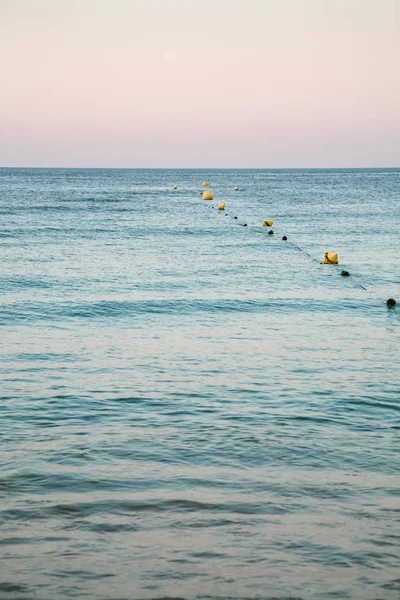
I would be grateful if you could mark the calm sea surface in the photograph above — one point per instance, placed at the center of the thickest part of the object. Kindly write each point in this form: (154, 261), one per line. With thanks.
(192, 408)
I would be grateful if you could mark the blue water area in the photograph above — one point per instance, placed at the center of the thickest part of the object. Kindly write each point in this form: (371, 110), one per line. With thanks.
(193, 408)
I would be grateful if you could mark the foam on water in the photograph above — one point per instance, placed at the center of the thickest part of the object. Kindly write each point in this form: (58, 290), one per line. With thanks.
(191, 408)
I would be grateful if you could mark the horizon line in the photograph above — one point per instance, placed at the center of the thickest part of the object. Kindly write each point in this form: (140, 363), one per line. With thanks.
(202, 168)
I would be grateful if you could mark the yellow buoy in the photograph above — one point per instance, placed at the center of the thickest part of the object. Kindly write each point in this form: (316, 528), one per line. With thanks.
(331, 258)
(267, 223)
(175, 187)
(205, 184)
(200, 193)
(221, 206)
(209, 195)
(236, 188)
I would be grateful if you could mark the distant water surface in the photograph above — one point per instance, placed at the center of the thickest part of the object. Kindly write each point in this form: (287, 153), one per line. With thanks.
(192, 408)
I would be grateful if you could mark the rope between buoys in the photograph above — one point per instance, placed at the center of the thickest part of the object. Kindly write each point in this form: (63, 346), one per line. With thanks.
(301, 250)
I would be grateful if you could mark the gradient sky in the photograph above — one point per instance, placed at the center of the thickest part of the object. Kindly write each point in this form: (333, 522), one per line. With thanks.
(200, 83)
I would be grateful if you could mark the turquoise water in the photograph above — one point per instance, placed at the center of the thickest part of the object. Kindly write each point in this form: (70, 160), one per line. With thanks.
(190, 407)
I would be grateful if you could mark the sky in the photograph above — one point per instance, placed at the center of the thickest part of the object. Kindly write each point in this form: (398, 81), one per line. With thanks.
(190, 83)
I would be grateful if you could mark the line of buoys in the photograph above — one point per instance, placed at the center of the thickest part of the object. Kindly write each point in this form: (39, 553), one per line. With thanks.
(329, 258)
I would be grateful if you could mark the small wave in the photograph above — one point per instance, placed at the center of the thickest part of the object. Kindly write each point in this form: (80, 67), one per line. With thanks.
(10, 588)
(106, 309)
(131, 507)
(14, 282)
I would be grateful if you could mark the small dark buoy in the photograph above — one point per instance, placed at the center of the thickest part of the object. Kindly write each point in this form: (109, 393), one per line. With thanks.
(345, 274)
(226, 215)
(391, 302)
(284, 238)
(244, 224)
(235, 217)
(270, 232)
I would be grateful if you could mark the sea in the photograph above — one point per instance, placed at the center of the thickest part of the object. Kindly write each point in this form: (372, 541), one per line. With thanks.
(190, 406)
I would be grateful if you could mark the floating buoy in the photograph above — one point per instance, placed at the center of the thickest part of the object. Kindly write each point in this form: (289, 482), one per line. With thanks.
(345, 274)
(236, 188)
(391, 302)
(235, 217)
(331, 258)
(175, 187)
(267, 223)
(244, 224)
(205, 184)
(284, 238)
(209, 195)
(221, 206)
(270, 232)
(200, 193)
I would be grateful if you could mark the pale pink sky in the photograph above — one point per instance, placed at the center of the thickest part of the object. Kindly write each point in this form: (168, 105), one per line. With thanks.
(190, 83)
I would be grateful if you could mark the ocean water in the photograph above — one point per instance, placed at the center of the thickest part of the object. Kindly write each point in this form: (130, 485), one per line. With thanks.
(193, 408)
